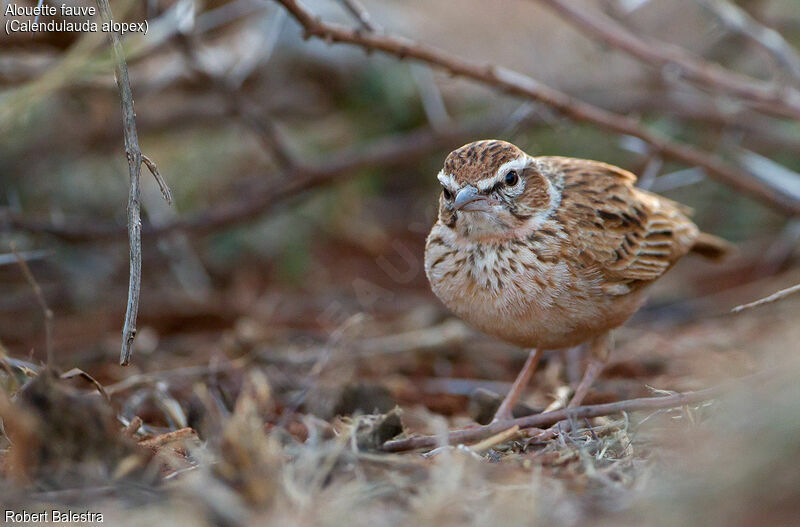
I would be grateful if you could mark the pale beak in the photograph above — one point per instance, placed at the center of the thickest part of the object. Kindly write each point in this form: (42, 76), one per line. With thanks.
(469, 199)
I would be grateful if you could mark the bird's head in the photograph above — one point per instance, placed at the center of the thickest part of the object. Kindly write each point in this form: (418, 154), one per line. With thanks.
(492, 189)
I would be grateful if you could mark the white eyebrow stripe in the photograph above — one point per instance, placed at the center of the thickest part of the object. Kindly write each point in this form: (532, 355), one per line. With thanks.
(519, 163)
(447, 180)
(485, 184)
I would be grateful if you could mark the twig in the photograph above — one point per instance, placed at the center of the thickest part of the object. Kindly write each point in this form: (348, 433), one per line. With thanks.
(518, 84)
(162, 185)
(135, 159)
(736, 19)
(48, 313)
(768, 300)
(470, 435)
(662, 54)
(77, 372)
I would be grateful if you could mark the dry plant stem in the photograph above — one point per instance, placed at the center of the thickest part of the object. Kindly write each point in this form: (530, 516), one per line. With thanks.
(470, 435)
(783, 293)
(48, 313)
(781, 100)
(520, 383)
(135, 159)
(521, 85)
(162, 185)
(77, 372)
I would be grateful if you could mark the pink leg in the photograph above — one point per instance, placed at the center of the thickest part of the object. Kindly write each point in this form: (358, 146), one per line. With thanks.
(520, 383)
(599, 349)
(592, 371)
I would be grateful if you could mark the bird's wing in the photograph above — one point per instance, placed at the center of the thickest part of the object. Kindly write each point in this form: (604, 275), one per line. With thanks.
(628, 234)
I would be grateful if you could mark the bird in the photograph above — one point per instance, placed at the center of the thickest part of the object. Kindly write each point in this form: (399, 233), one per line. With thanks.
(549, 252)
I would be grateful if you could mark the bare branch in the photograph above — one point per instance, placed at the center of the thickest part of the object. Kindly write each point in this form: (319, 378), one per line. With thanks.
(46, 311)
(518, 84)
(135, 159)
(783, 101)
(477, 433)
(783, 293)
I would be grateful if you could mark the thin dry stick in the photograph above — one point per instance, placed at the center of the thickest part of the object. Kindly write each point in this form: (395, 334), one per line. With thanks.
(135, 159)
(48, 313)
(470, 435)
(518, 84)
(162, 185)
(77, 372)
(768, 300)
(662, 54)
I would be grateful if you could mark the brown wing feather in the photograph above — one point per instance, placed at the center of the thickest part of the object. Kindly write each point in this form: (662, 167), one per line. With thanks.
(629, 234)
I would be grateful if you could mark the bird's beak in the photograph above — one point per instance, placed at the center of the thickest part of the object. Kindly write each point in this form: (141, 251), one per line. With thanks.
(469, 199)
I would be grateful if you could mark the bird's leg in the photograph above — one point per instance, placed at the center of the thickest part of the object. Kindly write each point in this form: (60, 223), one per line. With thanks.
(520, 383)
(599, 349)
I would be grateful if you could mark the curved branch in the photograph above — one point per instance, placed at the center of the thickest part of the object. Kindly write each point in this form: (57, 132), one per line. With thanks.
(781, 100)
(521, 85)
(470, 435)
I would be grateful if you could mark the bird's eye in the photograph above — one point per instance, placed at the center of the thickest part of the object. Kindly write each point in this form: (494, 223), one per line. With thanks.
(512, 178)
(447, 193)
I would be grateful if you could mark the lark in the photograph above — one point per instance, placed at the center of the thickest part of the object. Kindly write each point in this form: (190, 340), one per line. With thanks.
(551, 252)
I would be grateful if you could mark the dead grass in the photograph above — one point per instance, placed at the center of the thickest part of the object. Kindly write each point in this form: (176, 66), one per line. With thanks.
(262, 458)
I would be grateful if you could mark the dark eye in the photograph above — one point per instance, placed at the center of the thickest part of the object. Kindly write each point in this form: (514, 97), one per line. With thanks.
(512, 178)
(447, 193)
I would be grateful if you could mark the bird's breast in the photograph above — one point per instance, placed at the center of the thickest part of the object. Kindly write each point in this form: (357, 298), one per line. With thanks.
(523, 291)
(508, 288)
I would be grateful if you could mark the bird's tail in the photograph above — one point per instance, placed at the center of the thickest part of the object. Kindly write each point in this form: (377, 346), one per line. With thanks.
(712, 247)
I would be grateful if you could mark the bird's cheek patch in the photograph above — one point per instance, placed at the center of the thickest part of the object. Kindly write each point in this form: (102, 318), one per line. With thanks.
(537, 190)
